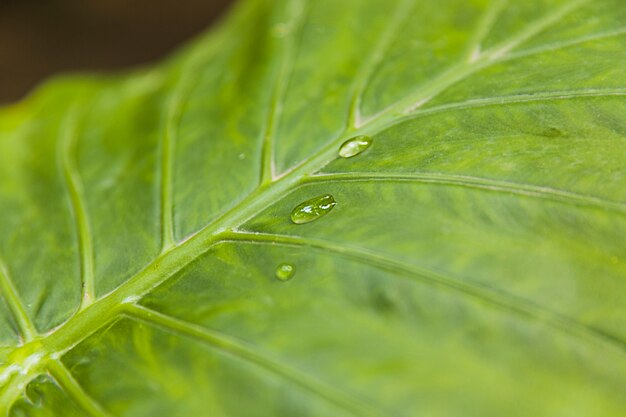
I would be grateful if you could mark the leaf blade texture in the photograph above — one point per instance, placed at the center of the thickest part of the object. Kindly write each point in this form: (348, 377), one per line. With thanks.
(473, 262)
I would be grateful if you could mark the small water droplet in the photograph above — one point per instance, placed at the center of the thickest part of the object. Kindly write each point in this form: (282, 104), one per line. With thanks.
(313, 209)
(131, 299)
(241, 156)
(354, 146)
(285, 272)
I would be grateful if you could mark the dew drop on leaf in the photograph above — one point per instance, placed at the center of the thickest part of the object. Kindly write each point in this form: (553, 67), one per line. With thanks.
(285, 272)
(313, 209)
(354, 146)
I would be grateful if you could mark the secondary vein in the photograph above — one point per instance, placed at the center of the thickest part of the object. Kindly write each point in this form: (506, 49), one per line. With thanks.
(494, 297)
(287, 34)
(25, 325)
(529, 190)
(555, 46)
(485, 23)
(397, 21)
(535, 28)
(512, 99)
(236, 348)
(66, 150)
(463, 69)
(167, 150)
(74, 390)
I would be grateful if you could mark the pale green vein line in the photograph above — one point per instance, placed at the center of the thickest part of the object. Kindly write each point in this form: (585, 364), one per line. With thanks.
(461, 70)
(74, 390)
(466, 181)
(484, 26)
(66, 153)
(25, 325)
(167, 142)
(287, 34)
(565, 44)
(534, 29)
(392, 28)
(238, 349)
(512, 99)
(167, 150)
(495, 297)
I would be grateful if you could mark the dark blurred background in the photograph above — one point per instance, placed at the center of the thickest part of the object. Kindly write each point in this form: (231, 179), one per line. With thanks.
(39, 38)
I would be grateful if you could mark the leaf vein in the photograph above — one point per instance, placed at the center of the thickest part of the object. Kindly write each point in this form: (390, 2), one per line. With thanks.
(436, 178)
(238, 349)
(279, 90)
(397, 21)
(74, 190)
(16, 306)
(534, 28)
(66, 381)
(167, 145)
(495, 297)
(463, 69)
(515, 99)
(484, 26)
(550, 47)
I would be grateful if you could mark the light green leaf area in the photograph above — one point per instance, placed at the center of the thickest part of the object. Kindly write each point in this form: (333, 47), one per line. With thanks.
(474, 262)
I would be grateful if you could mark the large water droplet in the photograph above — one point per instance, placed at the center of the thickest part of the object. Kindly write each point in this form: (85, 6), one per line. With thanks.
(354, 146)
(285, 272)
(312, 209)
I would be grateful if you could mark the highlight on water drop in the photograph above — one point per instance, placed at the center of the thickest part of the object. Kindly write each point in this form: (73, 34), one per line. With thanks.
(313, 209)
(354, 146)
(285, 271)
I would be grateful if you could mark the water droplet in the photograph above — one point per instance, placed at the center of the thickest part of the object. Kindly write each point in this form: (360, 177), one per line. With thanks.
(354, 146)
(241, 156)
(131, 299)
(312, 209)
(285, 272)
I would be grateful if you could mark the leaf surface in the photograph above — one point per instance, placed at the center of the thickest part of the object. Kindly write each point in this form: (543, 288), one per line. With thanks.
(474, 263)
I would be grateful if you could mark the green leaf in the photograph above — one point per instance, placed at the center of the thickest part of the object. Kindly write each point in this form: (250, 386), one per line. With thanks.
(471, 261)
